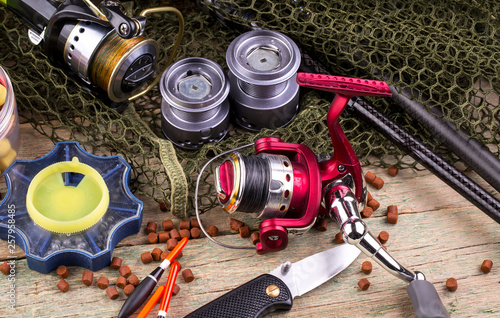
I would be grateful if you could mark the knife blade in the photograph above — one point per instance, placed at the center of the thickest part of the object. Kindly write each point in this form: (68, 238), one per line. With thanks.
(276, 290)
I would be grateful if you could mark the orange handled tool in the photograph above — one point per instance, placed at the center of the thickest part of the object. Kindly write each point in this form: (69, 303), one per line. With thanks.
(169, 287)
(142, 291)
(151, 302)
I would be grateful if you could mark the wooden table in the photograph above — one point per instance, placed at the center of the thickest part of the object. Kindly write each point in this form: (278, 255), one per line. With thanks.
(438, 233)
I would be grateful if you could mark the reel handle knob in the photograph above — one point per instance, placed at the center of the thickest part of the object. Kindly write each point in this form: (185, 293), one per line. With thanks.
(273, 238)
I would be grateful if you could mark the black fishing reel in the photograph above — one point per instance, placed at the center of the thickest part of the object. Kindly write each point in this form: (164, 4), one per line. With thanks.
(100, 47)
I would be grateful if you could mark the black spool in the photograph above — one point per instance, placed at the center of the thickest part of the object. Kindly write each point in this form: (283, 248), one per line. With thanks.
(256, 188)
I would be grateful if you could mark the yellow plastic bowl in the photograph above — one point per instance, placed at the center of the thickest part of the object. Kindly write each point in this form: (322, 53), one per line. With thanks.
(67, 209)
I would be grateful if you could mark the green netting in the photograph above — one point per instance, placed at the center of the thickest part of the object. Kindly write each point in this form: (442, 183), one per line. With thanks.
(447, 50)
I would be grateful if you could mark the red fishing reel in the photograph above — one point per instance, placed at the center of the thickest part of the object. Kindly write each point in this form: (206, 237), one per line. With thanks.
(284, 183)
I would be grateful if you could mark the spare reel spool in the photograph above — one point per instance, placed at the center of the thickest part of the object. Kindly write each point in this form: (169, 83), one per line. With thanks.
(195, 108)
(262, 71)
(69, 208)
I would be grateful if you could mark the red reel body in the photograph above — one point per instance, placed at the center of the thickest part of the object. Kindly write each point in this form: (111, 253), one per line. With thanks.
(285, 180)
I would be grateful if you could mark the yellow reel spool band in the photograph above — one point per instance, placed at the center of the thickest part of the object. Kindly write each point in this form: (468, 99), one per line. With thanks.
(67, 209)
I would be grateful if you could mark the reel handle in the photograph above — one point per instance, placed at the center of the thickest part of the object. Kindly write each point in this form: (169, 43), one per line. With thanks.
(343, 208)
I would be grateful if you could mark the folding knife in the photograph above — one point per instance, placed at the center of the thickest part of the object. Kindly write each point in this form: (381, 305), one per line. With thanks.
(276, 290)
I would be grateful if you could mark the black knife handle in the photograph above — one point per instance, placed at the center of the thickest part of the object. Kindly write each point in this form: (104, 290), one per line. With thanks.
(250, 300)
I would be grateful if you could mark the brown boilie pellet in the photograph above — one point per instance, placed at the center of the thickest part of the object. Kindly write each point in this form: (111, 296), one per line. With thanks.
(368, 196)
(452, 284)
(392, 218)
(146, 257)
(152, 238)
(374, 204)
(102, 282)
(378, 183)
(163, 206)
(322, 225)
(364, 284)
(392, 171)
(128, 289)
(392, 209)
(188, 276)
(167, 225)
(185, 225)
(151, 227)
(171, 243)
(235, 224)
(163, 256)
(163, 237)
(121, 282)
(125, 271)
(185, 233)
(176, 290)
(369, 177)
(174, 234)
(156, 253)
(195, 223)
(338, 238)
(245, 231)
(62, 271)
(367, 212)
(195, 232)
(366, 267)
(116, 262)
(63, 285)
(112, 292)
(255, 237)
(179, 255)
(87, 277)
(134, 280)
(383, 237)
(5, 268)
(486, 266)
(212, 230)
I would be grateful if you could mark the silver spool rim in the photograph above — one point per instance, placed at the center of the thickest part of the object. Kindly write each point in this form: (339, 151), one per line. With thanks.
(243, 45)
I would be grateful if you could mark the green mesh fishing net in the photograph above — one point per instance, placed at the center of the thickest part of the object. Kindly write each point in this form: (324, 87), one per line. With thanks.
(447, 51)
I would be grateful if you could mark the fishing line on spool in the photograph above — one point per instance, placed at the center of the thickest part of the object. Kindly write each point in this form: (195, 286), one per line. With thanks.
(196, 200)
(256, 189)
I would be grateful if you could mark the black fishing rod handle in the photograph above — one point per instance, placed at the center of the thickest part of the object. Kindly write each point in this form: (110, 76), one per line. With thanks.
(465, 186)
(477, 157)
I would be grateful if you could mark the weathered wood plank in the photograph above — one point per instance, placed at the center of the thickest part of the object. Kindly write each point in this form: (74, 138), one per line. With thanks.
(438, 233)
